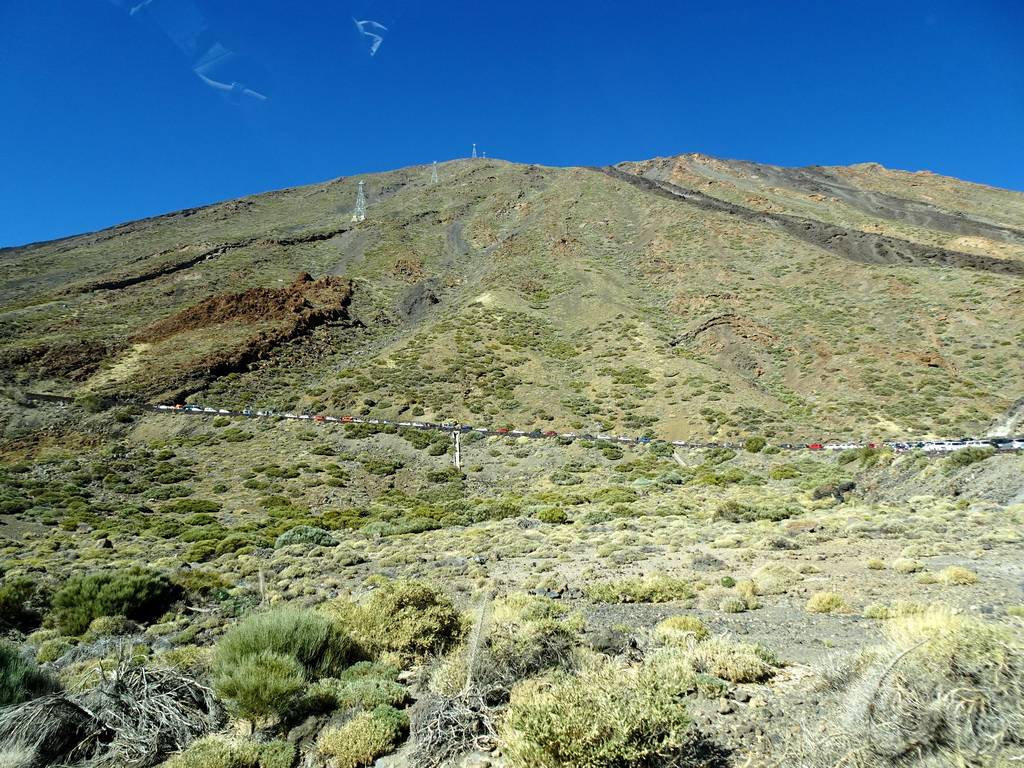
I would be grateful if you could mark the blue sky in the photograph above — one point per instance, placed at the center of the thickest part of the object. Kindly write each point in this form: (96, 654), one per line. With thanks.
(114, 110)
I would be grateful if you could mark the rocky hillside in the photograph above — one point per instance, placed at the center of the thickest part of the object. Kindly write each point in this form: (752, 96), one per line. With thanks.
(690, 296)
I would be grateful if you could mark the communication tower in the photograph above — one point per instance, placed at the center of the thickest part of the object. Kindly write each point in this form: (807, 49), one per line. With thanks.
(474, 151)
(433, 173)
(360, 212)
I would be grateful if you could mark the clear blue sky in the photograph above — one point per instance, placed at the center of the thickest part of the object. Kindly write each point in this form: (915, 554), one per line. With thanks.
(108, 115)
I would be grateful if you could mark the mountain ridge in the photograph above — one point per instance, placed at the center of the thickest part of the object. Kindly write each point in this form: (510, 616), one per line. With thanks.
(686, 294)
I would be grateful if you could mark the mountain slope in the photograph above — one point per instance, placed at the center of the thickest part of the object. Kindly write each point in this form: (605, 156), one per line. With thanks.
(688, 295)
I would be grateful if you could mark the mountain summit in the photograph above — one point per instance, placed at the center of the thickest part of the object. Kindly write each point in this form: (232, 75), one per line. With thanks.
(688, 295)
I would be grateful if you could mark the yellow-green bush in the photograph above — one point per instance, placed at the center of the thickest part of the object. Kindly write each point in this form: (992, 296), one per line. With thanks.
(602, 716)
(364, 738)
(736, 662)
(220, 751)
(21, 679)
(139, 594)
(957, 575)
(947, 689)
(656, 588)
(825, 602)
(677, 630)
(262, 664)
(403, 621)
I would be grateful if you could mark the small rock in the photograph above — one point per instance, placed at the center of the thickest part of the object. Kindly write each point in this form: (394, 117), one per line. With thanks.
(742, 696)
(758, 701)
(726, 707)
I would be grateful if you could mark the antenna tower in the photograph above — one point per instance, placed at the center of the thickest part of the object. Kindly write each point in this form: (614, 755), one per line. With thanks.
(433, 173)
(360, 212)
(474, 151)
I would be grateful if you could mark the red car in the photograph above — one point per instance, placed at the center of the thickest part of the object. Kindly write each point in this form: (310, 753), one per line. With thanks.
(815, 447)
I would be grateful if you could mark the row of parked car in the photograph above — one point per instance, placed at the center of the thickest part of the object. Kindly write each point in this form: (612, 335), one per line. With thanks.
(932, 446)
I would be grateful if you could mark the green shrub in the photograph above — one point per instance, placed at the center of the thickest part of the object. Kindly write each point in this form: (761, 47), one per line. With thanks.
(91, 403)
(260, 686)
(22, 604)
(364, 738)
(331, 693)
(783, 472)
(221, 751)
(966, 456)
(825, 602)
(955, 574)
(21, 679)
(601, 718)
(676, 630)
(553, 515)
(193, 507)
(736, 662)
(402, 620)
(139, 594)
(526, 635)
(657, 588)
(754, 444)
(714, 456)
(305, 534)
(944, 688)
(311, 637)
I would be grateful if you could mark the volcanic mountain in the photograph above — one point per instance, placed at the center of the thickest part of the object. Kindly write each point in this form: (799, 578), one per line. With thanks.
(689, 296)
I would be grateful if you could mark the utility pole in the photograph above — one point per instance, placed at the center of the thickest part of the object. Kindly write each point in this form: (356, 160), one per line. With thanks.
(360, 212)
(458, 449)
(433, 173)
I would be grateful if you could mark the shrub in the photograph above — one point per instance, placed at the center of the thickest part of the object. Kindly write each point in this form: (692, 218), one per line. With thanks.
(657, 588)
(783, 472)
(193, 507)
(878, 611)
(906, 565)
(676, 630)
(946, 689)
(553, 515)
(775, 578)
(732, 605)
(736, 662)
(825, 602)
(364, 738)
(526, 635)
(139, 594)
(263, 663)
(22, 604)
(875, 564)
(305, 534)
(604, 716)
(754, 444)
(310, 637)
(964, 457)
(21, 679)
(260, 686)
(406, 620)
(954, 574)
(220, 751)
(332, 693)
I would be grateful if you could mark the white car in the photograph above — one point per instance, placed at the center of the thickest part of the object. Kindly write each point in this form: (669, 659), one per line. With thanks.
(1017, 444)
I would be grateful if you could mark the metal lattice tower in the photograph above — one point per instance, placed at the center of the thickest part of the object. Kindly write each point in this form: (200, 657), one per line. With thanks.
(433, 173)
(474, 151)
(360, 212)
